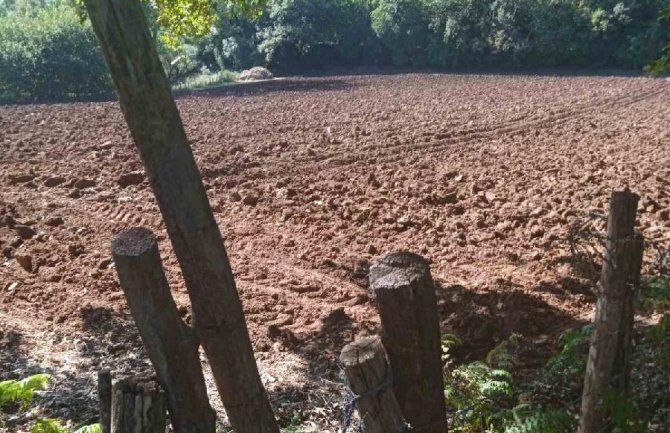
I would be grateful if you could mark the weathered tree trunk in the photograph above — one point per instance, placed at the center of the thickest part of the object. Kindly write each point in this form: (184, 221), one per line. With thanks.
(105, 400)
(138, 406)
(608, 369)
(156, 127)
(369, 377)
(405, 295)
(170, 343)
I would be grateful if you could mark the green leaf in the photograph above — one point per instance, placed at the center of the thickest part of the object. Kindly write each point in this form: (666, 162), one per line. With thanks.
(49, 425)
(92, 428)
(22, 390)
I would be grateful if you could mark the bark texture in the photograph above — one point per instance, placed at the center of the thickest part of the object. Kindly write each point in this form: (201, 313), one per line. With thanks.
(105, 400)
(156, 127)
(138, 406)
(170, 343)
(403, 288)
(608, 366)
(369, 377)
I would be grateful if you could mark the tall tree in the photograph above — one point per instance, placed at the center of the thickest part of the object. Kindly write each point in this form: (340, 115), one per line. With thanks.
(663, 62)
(157, 130)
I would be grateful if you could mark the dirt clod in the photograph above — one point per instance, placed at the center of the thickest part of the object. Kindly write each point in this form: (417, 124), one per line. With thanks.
(84, 183)
(54, 221)
(481, 174)
(24, 231)
(54, 181)
(26, 261)
(127, 179)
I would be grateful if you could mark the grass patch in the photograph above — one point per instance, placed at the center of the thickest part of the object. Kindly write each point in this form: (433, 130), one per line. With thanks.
(206, 80)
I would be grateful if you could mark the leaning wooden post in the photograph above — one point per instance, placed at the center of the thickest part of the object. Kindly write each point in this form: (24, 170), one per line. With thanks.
(138, 406)
(105, 400)
(169, 342)
(157, 130)
(608, 370)
(369, 377)
(403, 288)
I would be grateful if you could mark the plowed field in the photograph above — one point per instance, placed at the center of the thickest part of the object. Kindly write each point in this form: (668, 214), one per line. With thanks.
(310, 179)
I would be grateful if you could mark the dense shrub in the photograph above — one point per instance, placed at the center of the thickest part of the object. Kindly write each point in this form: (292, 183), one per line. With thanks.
(232, 43)
(46, 53)
(299, 35)
(49, 55)
(403, 29)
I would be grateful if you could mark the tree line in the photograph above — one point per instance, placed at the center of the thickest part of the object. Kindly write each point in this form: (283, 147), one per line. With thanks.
(46, 52)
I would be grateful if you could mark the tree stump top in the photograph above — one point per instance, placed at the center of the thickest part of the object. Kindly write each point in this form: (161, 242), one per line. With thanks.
(137, 385)
(397, 270)
(133, 242)
(360, 351)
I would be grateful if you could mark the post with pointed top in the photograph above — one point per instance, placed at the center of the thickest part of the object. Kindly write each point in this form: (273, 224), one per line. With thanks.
(608, 366)
(405, 294)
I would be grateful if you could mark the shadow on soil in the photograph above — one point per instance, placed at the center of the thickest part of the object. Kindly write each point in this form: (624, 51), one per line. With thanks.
(539, 72)
(481, 319)
(484, 319)
(68, 395)
(258, 88)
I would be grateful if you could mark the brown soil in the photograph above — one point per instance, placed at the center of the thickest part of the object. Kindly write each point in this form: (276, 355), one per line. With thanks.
(309, 180)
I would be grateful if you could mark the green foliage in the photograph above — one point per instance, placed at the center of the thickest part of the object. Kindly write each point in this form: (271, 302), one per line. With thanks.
(571, 360)
(49, 54)
(48, 425)
(662, 63)
(529, 420)
(623, 415)
(478, 393)
(486, 401)
(654, 295)
(659, 336)
(21, 391)
(503, 356)
(52, 425)
(91, 428)
(232, 43)
(449, 342)
(207, 79)
(403, 29)
(314, 34)
(481, 395)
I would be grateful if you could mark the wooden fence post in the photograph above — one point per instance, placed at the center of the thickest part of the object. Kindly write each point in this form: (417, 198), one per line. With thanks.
(608, 369)
(369, 377)
(157, 130)
(138, 406)
(169, 342)
(105, 400)
(405, 295)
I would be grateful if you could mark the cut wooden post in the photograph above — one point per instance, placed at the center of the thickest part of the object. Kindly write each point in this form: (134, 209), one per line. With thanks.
(608, 369)
(403, 288)
(170, 344)
(158, 132)
(138, 406)
(369, 377)
(105, 400)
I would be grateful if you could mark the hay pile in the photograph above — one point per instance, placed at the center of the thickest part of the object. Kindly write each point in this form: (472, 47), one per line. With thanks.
(255, 73)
